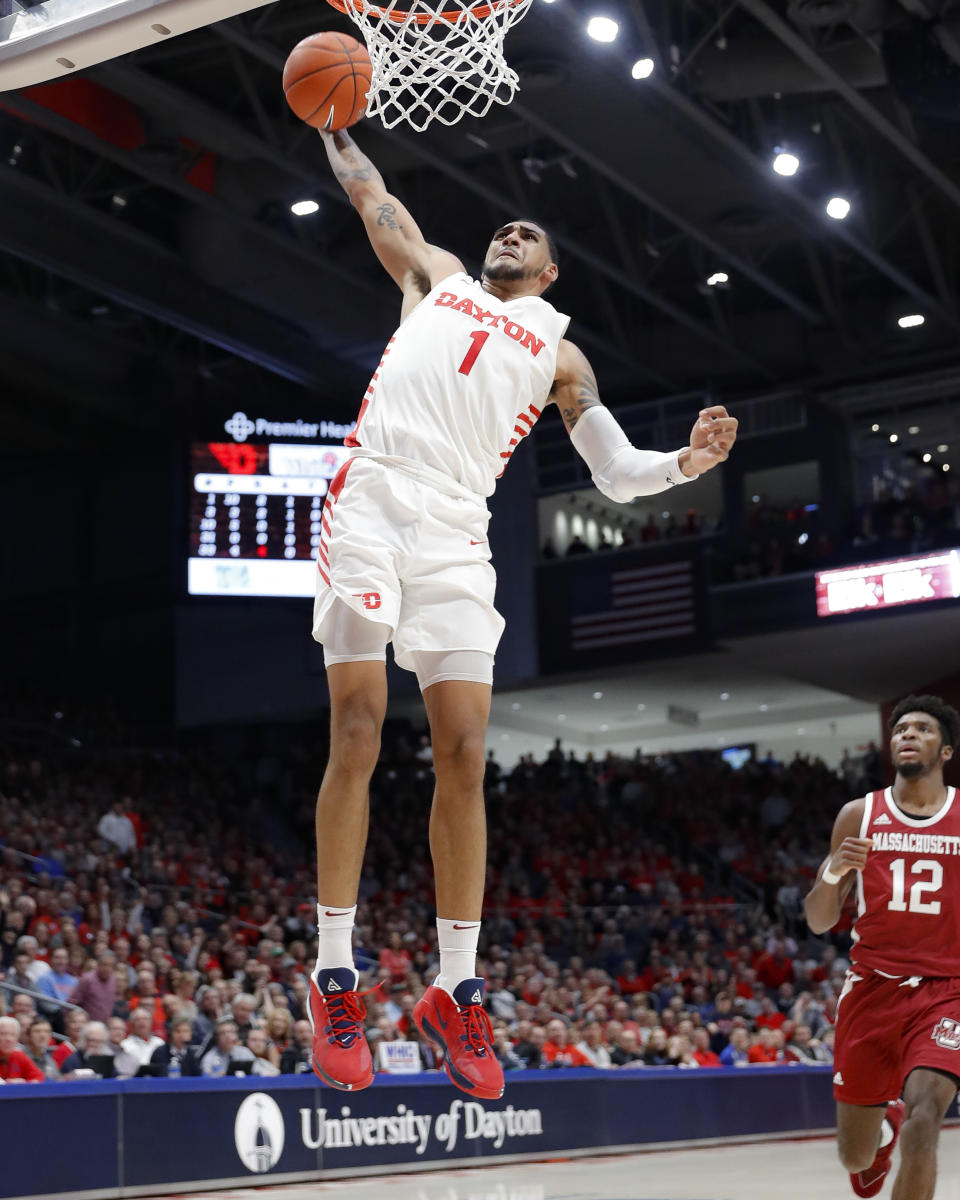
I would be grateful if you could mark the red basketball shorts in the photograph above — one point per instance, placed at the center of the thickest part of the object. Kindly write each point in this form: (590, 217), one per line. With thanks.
(888, 1027)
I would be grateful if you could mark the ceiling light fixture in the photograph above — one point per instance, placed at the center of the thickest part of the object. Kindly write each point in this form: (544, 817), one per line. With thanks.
(894, 438)
(946, 466)
(838, 208)
(724, 695)
(602, 29)
(874, 428)
(911, 321)
(942, 448)
(598, 695)
(927, 457)
(914, 429)
(642, 68)
(304, 208)
(718, 278)
(785, 163)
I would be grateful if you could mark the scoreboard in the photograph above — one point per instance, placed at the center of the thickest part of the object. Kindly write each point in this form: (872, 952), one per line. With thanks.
(255, 510)
(899, 581)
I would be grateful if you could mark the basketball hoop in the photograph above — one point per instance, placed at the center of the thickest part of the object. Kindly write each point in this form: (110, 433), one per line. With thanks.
(436, 63)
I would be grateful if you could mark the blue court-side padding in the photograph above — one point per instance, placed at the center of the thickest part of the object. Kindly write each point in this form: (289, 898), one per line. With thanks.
(144, 1135)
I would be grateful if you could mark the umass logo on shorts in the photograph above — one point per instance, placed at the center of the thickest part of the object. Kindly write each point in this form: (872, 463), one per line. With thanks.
(947, 1034)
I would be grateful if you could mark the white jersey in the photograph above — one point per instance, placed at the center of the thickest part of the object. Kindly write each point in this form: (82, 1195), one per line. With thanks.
(461, 382)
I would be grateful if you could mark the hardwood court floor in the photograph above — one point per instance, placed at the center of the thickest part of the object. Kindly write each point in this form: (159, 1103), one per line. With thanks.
(794, 1170)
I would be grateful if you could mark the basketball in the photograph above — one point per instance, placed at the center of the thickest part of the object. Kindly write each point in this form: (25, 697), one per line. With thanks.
(325, 80)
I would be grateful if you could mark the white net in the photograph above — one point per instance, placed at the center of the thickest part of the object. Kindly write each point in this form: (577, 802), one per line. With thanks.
(436, 62)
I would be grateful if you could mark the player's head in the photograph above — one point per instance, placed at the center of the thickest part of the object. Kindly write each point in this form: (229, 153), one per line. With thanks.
(521, 251)
(923, 733)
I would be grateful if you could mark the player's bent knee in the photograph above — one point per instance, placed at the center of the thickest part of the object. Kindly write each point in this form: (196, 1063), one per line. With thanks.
(463, 756)
(855, 1158)
(355, 741)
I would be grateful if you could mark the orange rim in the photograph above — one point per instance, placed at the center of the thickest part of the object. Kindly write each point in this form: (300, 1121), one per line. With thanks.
(453, 15)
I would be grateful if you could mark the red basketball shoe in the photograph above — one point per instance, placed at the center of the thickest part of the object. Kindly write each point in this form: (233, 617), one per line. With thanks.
(870, 1181)
(341, 1056)
(459, 1024)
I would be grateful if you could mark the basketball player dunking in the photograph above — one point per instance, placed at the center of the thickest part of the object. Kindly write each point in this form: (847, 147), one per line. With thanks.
(898, 1017)
(404, 558)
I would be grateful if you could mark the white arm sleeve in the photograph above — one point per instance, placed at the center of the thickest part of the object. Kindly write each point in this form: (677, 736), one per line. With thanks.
(617, 467)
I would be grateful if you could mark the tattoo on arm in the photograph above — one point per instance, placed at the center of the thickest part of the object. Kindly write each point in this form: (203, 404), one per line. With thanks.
(585, 395)
(387, 215)
(349, 163)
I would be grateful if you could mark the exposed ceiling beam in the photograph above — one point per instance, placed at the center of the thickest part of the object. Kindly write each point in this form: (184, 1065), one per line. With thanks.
(723, 253)
(870, 113)
(50, 230)
(808, 213)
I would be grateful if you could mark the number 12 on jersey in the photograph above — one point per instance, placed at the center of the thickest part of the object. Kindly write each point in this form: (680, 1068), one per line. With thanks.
(478, 338)
(934, 883)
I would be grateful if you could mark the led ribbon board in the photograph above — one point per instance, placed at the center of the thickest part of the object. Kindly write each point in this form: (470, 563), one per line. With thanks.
(891, 584)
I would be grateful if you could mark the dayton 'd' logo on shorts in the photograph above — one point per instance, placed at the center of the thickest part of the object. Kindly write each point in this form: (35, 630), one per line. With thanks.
(947, 1034)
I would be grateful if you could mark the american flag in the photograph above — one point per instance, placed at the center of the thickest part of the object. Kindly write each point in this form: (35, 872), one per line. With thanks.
(645, 604)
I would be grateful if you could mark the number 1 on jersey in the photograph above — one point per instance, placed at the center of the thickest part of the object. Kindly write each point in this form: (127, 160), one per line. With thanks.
(478, 339)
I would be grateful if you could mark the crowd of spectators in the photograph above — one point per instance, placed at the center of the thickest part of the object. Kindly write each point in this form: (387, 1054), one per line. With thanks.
(157, 910)
(780, 539)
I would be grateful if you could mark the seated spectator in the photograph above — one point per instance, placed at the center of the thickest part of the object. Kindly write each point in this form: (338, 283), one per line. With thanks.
(209, 1011)
(259, 1046)
(227, 1051)
(145, 997)
(680, 1050)
(593, 1046)
(530, 1050)
(74, 1023)
(395, 959)
(655, 1052)
(244, 1008)
(769, 1016)
(764, 1051)
(141, 1041)
(703, 1055)
(626, 1052)
(39, 1050)
(278, 1028)
(57, 983)
(297, 1059)
(18, 977)
(804, 1048)
(502, 1048)
(116, 828)
(92, 1045)
(557, 1051)
(737, 1052)
(36, 967)
(16, 1066)
(96, 991)
(177, 1053)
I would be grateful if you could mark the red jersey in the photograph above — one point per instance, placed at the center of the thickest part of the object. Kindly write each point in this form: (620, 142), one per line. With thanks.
(908, 895)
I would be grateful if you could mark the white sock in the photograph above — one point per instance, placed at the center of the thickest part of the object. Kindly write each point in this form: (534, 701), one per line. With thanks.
(458, 952)
(335, 936)
(886, 1134)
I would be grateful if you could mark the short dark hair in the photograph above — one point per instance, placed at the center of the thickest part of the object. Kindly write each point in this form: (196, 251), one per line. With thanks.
(551, 244)
(945, 715)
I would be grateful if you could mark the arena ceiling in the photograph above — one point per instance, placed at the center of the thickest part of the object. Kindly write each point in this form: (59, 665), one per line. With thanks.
(149, 261)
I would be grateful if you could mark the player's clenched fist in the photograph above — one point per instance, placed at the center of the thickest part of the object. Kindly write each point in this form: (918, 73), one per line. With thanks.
(851, 856)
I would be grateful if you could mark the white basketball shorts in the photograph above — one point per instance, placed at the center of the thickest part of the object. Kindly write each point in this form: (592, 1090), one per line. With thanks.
(404, 554)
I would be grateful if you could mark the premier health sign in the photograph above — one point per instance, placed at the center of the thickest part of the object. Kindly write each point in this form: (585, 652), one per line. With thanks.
(891, 584)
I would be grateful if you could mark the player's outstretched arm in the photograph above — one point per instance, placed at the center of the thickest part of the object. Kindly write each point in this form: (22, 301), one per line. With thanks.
(617, 467)
(410, 261)
(838, 871)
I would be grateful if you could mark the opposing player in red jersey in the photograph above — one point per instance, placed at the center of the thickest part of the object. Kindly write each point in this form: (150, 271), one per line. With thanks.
(898, 1017)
